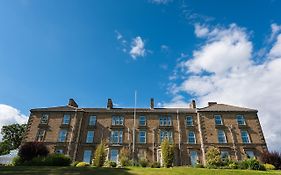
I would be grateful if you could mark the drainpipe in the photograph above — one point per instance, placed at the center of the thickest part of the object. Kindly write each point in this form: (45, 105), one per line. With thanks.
(201, 138)
(179, 136)
(230, 127)
(77, 139)
(72, 130)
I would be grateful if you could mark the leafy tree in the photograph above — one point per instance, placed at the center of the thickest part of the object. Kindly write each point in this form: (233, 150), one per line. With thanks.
(168, 151)
(29, 150)
(273, 158)
(4, 148)
(100, 155)
(213, 157)
(13, 134)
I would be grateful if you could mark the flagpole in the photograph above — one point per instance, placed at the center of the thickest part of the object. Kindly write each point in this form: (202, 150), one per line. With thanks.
(134, 128)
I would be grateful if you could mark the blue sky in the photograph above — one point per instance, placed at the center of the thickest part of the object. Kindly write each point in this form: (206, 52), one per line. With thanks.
(52, 50)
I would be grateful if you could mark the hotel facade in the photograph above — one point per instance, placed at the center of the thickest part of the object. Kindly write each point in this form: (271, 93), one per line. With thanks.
(77, 131)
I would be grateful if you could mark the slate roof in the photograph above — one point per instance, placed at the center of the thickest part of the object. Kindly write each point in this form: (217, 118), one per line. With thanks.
(56, 108)
(225, 108)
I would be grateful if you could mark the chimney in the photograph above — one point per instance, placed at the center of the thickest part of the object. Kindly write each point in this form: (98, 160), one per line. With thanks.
(109, 104)
(212, 103)
(152, 103)
(192, 104)
(72, 103)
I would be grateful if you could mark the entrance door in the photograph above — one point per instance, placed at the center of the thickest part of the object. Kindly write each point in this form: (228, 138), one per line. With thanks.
(193, 157)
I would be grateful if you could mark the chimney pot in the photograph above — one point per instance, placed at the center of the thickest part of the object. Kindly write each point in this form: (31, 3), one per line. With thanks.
(193, 104)
(152, 103)
(72, 102)
(109, 104)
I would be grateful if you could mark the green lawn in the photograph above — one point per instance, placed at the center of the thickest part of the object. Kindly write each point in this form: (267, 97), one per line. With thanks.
(125, 171)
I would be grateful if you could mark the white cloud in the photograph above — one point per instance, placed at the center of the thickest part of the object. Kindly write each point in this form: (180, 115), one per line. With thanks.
(223, 69)
(10, 115)
(137, 48)
(275, 29)
(160, 1)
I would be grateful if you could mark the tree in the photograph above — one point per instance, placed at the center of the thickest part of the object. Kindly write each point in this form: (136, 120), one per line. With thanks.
(100, 155)
(213, 157)
(168, 151)
(124, 157)
(29, 150)
(13, 134)
(4, 148)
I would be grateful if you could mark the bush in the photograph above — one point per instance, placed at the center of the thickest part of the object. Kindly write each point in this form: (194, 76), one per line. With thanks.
(251, 164)
(167, 153)
(99, 155)
(143, 162)
(273, 158)
(29, 150)
(213, 158)
(111, 164)
(155, 165)
(198, 165)
(74, 163)
(233, 165)
(82, 164)
(269, 166)
(124, 157)
(57, 160)
(17, 161)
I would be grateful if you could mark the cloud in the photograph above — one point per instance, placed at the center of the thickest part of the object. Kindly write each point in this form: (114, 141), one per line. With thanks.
(137, 48)
(160, 1)
(224, 69)
(10, 115)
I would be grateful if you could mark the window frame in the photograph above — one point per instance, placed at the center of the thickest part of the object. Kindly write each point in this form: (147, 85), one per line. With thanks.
(40, 135)
(166, 134)
(243, 137)
(89, 157)
(43, 120)
(187, 118)
(165, 120)
(90, 139)
(60, 136)
(118, 136)
(239, 120)
(142, 136)
(144, 120)
(220, 119)
(248, 155)
(63, 120)
(194, 137)
(117, 120)
(219, 132)
(92, 120)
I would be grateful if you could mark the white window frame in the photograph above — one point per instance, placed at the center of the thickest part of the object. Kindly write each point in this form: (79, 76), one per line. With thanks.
(92, 120)
(66, 119)
(240, 120)
(90, 137)
(220, 119)
(142, 120)
(62, 138)
(165, 121)
(247, 136)
(44, 119)
(117, 120)
(166, 134)
(193, 137)
(40, 135)
(142, 136)
(116, 137)
(219, 135)
(189, 120)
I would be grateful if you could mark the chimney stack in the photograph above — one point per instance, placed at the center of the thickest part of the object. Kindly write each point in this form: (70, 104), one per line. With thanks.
(109, 104)
(212, 103)
(72, 103)
(193, 104)
(152, 103)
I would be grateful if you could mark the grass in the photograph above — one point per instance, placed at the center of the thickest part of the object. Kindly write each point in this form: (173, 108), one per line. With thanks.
(27, 170)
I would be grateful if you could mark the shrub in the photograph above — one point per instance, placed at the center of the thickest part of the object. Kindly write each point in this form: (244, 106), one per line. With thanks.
(36, 161)
(109, 163)
(213, 158)
(82, 164)
(99, 155)
(269, 166)
(273, 158)
(198, 165)
(233, 165)
(167, 153)
(155, 165)
(143, 162)
(251, 164)
(124, 157)
(74, 163)
(17, 161)
(29, 150)
(57, 160)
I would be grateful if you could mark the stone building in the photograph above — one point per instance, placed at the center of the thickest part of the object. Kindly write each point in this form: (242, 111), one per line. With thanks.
(77, 131)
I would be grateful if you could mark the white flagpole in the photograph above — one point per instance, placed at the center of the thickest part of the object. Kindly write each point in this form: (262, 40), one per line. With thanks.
(134, 129)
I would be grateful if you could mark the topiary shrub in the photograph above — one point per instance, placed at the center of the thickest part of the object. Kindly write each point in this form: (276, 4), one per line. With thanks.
(213, 158)
(29, 150)
(57, 160)
(143, 162)
(168, 152)
(100, 155)
(82, 164)
(269, 166)
(273, 158)
(155, 165)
